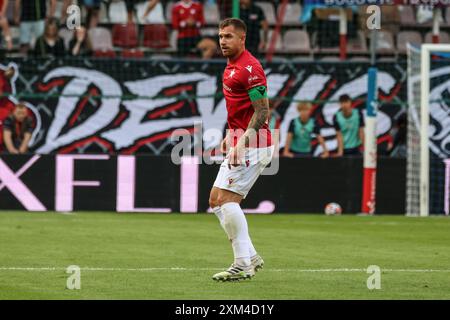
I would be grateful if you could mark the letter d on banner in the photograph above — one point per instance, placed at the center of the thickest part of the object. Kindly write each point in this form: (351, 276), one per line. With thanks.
(370, 146)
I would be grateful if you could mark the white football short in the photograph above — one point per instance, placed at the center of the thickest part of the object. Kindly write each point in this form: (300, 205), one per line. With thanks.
(240, 179)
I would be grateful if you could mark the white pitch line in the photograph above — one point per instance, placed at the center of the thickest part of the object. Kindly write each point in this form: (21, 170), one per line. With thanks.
(215, 269)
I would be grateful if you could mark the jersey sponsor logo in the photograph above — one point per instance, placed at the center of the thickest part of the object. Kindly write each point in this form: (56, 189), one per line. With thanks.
(249, 68)
(227, 88)
(252, 78)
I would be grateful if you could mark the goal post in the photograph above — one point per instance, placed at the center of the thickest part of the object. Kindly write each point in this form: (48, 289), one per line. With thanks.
(418, 159)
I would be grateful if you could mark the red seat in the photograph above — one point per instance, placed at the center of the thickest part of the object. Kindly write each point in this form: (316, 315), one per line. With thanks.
(125, 35)
(105, 53)
(132, 53)
(156, 36)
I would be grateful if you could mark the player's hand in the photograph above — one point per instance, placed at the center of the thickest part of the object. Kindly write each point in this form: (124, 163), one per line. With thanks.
(325, 154)
(288, 154)
(224, 145)
(235, 157)
(340, 153)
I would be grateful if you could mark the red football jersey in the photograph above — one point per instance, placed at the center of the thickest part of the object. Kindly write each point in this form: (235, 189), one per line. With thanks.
(181, 12)
(239, 76)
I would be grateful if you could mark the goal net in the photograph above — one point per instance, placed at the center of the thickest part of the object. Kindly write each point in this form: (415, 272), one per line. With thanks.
(428, 137)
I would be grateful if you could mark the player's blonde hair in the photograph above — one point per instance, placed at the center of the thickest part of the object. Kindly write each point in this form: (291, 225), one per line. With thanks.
(304, 105)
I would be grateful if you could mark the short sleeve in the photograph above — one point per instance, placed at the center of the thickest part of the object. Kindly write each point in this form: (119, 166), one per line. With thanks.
(29, 125)
(291, 127)
(252, 76)
(336, 124)
(316, 129)
(7, 124)
(361, 119)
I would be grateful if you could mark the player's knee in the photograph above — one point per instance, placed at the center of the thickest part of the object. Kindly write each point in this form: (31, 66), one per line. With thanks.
(213, 202)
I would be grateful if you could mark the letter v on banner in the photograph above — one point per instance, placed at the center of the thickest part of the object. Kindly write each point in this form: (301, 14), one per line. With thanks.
(370, 146)
(12, 181)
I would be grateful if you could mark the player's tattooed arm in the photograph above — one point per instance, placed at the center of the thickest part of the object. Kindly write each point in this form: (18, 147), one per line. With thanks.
(261, 114)
(260, 103)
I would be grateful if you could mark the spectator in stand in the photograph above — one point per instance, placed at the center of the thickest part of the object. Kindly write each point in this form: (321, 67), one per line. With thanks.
(208, 48)
(187, 18)
(349, 126)
(17, 130)
(225, 8)
(80, 45)
(399, 131)
(254, 18)
(4, 24)
(151, 5)
(50, 44)
(31, 16)
(301, 132)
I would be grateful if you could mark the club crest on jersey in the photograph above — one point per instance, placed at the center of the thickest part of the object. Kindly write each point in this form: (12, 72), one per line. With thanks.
(249, 68)
(231, 73)
(230, 181)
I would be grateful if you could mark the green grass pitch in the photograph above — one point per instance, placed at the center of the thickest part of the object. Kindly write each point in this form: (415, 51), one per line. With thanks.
(173, 256)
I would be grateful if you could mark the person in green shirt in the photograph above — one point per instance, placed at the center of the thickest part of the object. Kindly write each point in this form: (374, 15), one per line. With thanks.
(349, 126)
(301, 132)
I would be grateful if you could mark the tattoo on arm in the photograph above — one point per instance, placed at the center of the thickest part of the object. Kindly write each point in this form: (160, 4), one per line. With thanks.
(258, 119)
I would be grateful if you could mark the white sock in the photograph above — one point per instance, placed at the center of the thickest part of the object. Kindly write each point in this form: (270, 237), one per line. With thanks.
(236, 226)
(219, 214)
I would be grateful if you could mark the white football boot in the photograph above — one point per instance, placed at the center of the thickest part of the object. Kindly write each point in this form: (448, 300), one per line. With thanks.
(235, 273)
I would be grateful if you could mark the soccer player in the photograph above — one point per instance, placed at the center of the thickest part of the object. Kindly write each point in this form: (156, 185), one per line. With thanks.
(349, 126)
(249, 146)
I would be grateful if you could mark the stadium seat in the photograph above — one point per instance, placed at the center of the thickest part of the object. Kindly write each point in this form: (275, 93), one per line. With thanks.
(173, 40)
(101, 38)
(292, 14)
(103, 14)
(66, 35)
(125, 35)
(278, 43)
(161, 57)
(156, 36)
(209, 32)
(359, 59)
(330, 58)
(268, 10)
(58, 8)
(104, 53)
(358, 44)
(385, 42)
(296, 41)
(211, 14)
(132, 53)
(443, 37)
(15, 35)
(447, 17)
(118, 12)
(404, 37)
(407, 16)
